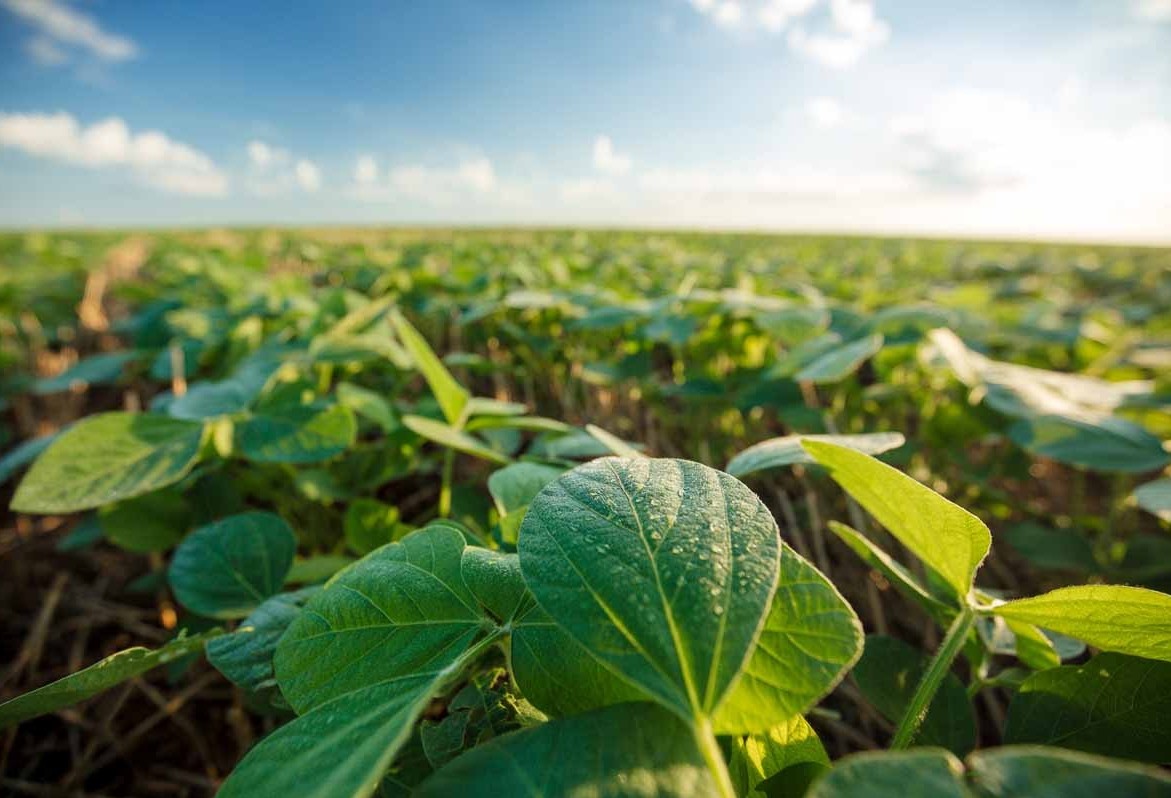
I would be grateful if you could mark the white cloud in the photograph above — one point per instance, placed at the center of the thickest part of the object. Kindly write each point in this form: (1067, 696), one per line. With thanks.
(435, 185)
(273, 170)
(825, 112)
(45, 52)
(308, 175)
(854, 26)
(151, 156)
(65, 25)
(262, 155)
(1154, 10)
(366, 170)
(856, 30)
(587, 188)
(607, 160)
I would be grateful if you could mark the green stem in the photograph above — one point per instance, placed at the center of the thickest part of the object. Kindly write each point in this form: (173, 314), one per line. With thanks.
(445, 485)
(713, 757)
(957, 634)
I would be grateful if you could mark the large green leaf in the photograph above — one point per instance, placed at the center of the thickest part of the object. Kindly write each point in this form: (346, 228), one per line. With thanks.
(1008, 772)
(557, 674)
(923, 773)
(450, 395)
(245, 655)
(623, 750)
(945, 536)
(341, 749)
(1132, 620)
(760, 757)
(21, 455)
(1020, 771)
(106, 458)
(400, 610)
(1113, 705)
(96, 678)
(839, 363)
(888, 675)
(452, 438)
(664, 569)
(296, 434)
(810, 639)
(787, 450)
(226, 569)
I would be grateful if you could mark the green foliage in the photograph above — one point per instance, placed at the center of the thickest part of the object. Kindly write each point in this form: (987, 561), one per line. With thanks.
(107, 458)
(226, 569)
(100, 676)
(787, 450)
(947, 538)
(1113, 705)
(1130, 620)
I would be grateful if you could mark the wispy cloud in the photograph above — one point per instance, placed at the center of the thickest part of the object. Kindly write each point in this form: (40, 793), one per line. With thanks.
(853, 26)
(607, 160)
(150, 156)
(273, 170)
(61, 24)
(366, 170)
(45, 51)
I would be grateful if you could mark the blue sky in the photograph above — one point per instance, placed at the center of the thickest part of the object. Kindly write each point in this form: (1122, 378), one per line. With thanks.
(1039, 119)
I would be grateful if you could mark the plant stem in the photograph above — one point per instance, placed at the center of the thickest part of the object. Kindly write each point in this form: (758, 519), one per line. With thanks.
(714, 758)
(445, 485)
(957, 633)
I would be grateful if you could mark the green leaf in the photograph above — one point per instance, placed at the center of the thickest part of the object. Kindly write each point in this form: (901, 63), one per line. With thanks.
(1106, 444)
(922, 773)
(94, 370)
(888, 674)
(515, 486)
(758, 757)
(945, 536)
(903, 580)
(342, 748)
(205, 400)
(398, 610)
(633, 749)
(296, 434)
(810, 639)
(1113, 705)
(839, 363)
(369, 524)
(245, 655)
(1008, 772)
(787, 450)
(1154, 497)
(368, 404)
(559, 675)
(664, 569)
(532, 423)
(154, 522)
(452, 438)
(1041, 772)
(106, 458)
(612, 442)
(1131, 620)
(226, 569)
(483, 406)
(96, 678)
(450, 395)
(494, 578)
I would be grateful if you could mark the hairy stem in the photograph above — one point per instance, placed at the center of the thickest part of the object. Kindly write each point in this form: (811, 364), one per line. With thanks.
(957, 633)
